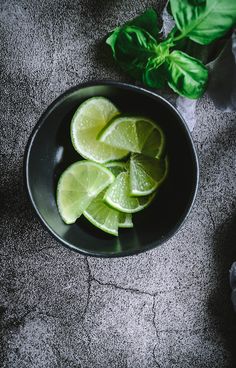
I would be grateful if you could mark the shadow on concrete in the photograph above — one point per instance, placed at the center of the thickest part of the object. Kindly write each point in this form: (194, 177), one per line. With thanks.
(220, 307)
(103, 57)
(22, 229)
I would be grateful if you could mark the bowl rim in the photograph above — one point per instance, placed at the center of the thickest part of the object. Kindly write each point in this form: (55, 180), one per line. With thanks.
(127, 86)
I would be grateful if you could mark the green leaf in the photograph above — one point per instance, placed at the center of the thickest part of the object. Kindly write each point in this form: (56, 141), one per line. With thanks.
(197, 2)
(186, 75)
(132, 47)
(203, 21)
(147, 21)
(154, 75)
(204, 53)
(155, 72)
(111, 40)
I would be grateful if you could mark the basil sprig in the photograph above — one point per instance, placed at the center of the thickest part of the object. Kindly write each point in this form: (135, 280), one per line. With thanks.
(139, 51)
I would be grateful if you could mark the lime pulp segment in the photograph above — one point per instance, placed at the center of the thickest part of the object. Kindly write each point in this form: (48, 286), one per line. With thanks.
(146, 174)
(118, 196)
(116, 167)
(78, 185)
(88, 120)
(103, 216)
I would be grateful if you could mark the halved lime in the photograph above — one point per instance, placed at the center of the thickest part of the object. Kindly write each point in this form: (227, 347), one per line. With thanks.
(146, 174)
(118, 195)
(103, 216)
(134, 134)
(77, 187)
(88, 120)
(125, 220)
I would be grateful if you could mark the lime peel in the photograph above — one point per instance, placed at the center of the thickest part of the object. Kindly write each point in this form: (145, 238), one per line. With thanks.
(88, 120)
(77, 187)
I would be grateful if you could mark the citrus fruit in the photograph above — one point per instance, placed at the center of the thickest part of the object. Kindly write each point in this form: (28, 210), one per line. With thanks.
(146, 174)
(118, 195)
(134, 134)
(103, 216)
(78, 185)
(88, 120)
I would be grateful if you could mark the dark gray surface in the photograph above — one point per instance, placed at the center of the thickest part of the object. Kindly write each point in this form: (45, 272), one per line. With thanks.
(167, 308)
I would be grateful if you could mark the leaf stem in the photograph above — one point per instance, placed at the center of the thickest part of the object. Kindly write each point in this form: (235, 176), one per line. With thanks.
(180, 37)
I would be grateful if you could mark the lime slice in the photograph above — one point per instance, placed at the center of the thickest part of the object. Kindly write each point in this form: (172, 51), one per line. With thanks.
(117, 196)
(77, 187)
(134, 134)
(125, 220)
(146, 174)
(103, 216)
(87, 122)
(117, 167)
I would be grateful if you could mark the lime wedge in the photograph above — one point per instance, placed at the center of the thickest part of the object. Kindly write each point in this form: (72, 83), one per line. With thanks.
(77, 187)
(87, 122)
(116, 167)
(146, 174)
(118, 196)
(134, 134)
(103, 216)
(125, 220)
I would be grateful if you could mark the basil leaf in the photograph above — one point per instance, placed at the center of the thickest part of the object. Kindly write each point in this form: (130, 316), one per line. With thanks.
(186, 75)
(155, 72)
(111, 40)
(147, 21)
(154, 75)
(132, 47)
(203, 21)
(204, 53)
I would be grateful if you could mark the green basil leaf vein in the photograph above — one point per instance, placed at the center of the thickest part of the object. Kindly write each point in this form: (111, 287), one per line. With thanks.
(154, 75)
(204, 22)
(132, 47)
(186, 75)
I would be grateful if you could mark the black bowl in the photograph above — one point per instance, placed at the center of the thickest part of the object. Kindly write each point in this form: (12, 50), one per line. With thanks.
(49, 152)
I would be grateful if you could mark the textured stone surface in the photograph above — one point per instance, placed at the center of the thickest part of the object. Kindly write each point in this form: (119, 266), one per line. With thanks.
(169, 307)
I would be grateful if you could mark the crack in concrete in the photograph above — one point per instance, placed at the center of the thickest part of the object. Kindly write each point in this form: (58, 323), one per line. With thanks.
(154, 316)
(89, 288)
(17, 322)
(91, 279)
(156, 331)
(87, 301)
(211, 218)
(154, 356)
(131, 290)
(38, 250)
(28, 252)
(135, 291)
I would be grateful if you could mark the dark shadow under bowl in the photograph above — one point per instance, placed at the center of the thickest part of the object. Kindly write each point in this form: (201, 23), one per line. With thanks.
(49, 152)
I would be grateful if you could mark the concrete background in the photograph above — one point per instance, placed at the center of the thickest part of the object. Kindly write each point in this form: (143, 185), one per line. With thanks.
(167, 308)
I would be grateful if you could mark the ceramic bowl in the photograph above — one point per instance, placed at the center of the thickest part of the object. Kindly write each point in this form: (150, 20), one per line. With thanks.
(49, 152)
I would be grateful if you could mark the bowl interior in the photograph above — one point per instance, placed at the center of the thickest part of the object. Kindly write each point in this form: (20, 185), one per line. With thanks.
(50, 152)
